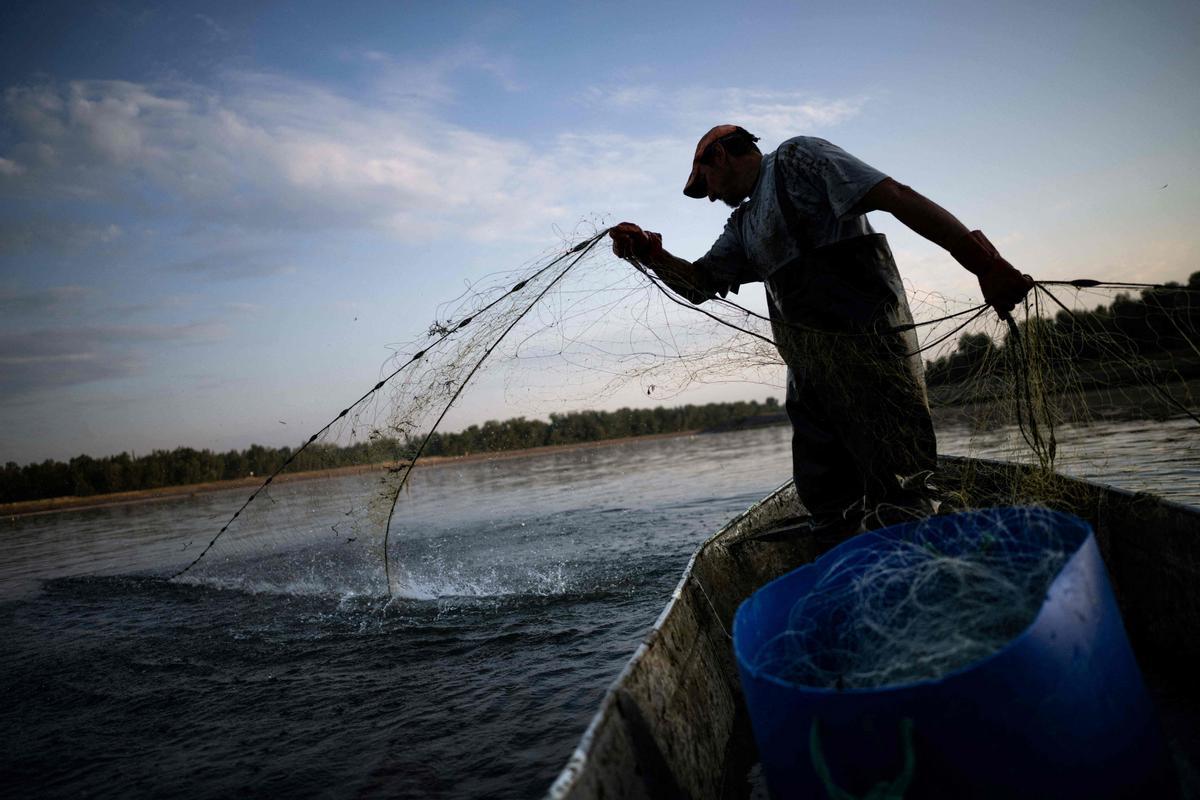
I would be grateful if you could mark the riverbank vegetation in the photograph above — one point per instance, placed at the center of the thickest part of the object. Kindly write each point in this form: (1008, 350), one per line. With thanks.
(1132, 341)
(84, 476)
(1144, 341)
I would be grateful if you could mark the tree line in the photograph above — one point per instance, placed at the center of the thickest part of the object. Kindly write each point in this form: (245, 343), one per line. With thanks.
(1160, 321)
(84, 476)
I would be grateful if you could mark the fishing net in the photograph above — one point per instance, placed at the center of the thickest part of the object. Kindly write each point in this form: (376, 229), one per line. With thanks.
(1036, 388)
(573, 326)
(919, 606)
(577, 327)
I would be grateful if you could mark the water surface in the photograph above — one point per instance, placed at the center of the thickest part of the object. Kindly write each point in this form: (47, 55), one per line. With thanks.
(527, 584)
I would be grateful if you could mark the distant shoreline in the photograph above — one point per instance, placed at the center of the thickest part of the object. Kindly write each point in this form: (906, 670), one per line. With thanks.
(1091, 405)
(1121, 403)
(55, 505)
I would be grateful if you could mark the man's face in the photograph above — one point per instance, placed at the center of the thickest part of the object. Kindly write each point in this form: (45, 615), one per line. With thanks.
(723, 181)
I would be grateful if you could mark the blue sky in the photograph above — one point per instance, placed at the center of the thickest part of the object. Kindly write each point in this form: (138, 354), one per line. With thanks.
(217, 216)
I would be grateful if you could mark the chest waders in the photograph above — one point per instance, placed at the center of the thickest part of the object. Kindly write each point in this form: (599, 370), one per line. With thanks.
(862, 436)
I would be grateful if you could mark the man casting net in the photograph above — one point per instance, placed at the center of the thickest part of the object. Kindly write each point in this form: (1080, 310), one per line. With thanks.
(576, 326)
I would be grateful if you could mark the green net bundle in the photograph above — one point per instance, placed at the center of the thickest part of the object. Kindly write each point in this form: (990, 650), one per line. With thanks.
(918, 607)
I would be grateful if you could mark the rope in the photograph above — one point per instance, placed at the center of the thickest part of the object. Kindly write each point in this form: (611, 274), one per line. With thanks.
(1092, 283)
(658, 283)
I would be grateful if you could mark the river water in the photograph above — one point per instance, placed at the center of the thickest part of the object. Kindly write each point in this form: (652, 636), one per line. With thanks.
(528, 584)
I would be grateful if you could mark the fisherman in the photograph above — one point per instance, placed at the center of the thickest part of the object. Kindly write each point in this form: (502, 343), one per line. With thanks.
(863, 446)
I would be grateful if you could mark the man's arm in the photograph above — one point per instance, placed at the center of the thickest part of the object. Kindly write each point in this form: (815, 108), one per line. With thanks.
(1002, 284)
(915, 210)
(645, 247)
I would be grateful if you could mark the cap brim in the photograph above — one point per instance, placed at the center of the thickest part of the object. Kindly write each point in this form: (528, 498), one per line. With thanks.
(696, 186)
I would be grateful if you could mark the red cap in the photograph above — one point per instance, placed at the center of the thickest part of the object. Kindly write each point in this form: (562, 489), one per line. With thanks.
(696, 185)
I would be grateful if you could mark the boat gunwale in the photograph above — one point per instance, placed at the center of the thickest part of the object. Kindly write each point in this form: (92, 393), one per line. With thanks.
(579, 756)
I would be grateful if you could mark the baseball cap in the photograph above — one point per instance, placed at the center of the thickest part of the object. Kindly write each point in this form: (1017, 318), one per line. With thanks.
(696, 185)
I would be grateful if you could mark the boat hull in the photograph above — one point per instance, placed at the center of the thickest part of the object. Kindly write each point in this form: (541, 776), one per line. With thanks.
(674, 723)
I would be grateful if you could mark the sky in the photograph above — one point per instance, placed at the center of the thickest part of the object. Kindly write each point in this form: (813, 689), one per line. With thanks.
(217, 216)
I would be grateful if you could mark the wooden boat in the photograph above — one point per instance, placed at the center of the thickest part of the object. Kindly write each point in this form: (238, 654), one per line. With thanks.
(673, 724)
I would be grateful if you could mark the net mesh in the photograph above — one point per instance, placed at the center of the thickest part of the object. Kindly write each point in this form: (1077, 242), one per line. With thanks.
(565, 328)
(919, 606)
(578, 326)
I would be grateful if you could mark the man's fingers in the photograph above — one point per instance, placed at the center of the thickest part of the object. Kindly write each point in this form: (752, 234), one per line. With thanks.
(628, 240)
(619, 244)
(624, 248)
(1003, 307)
(1003, 288)
(1007, 300)
(620, 235)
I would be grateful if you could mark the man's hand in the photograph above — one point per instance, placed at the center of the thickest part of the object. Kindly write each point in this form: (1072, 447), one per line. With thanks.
(631, 242)
(645, 249)
(1002, 284)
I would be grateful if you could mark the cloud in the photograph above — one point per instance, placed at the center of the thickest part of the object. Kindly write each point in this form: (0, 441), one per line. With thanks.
(625, 97)
(170, 304)
(777, 116)
(432, 79)
(235, 265)
(19, 307)
(267, 153)
(41, 301)
(48, 235)
(24, 375)
(91, 122)
(213, 29)
(54, 358)
(774, 115)
(270, 153)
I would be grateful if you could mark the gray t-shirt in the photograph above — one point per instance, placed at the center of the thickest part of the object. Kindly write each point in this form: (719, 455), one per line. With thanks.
(824, 182)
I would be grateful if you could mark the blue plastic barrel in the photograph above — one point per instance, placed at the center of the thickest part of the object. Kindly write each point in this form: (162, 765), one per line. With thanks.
(1061, 710)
